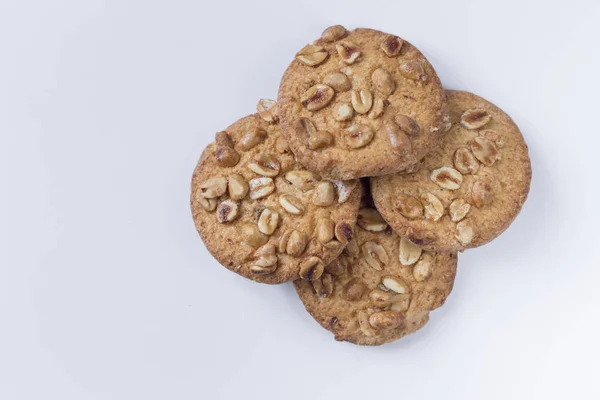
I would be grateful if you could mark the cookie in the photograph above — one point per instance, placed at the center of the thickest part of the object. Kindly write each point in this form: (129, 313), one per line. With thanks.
(469, 189)
(381, 288)
(261, 214)
(360, 103)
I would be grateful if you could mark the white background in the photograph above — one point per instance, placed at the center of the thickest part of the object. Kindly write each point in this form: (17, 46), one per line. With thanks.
(106, 291)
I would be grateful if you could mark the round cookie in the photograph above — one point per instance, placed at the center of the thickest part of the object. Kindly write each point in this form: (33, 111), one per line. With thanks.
(381, 288)
(469, 189)
(360, 103)
(261, 214)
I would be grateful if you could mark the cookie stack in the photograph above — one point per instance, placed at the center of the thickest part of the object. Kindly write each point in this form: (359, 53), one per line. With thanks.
(278, 195)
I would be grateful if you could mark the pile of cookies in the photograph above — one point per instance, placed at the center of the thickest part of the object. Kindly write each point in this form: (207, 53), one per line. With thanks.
(360, 185)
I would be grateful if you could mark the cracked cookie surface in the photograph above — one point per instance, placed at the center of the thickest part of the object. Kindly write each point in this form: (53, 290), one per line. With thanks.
(360, 103)
(260, 213)
(469, 189)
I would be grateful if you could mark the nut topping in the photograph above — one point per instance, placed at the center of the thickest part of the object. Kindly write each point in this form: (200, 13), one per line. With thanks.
(434, 209)
(223, 139)
(213, 187)
(264, 265)
(311, 268)
(412, 69)
(251, 236)
(391, 45)
(465, 162)
(317, 97)
(458, 209)
(308, 134)
(348, 52)
(481, 194)
(485, 150)
(265, 165)
(420, 237)
(292, 242)
(227, 211)
(324, 194)
(303, 180)
(352, 249)
(377, 108)
(304, 128)
(237, 187)
(400, 303)
(291, 204)
(422, 269)
(338, 266)
(409, 252)
(252, 138)
(385, 320)
(333, 33)
(370, 220)
(407, 124)
(334, 245)
(396, 285)
(343, 112)
(383, 82)
(261, 187)
(260, 270)
(323, 286)
(475, 118)
(296, 243)
(353, 289)
(338, 81)
(208, 204)
(464, 232)
(267, 110)
(343, 232)
(283, 241)
(319, 140)
(266, 250)
(492, 135)
(375, 255)
(325, 230)
(380, 298)
(398, 139)
(266, 260)
(226, 156)
(268, 221)
(358, 136)
(344, 190)
(362, 101)
(365, 326)
(312, 55)
(409, 206)
(447, 178)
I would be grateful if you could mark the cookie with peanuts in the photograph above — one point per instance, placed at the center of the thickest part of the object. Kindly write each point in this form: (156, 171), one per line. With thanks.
(360, 103)
(382, 288)
(263, 215)
(469, 189)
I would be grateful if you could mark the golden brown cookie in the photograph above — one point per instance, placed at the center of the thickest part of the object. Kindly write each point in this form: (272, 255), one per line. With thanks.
(360, 103)
(261, 214)
(469, 189)
(381, 288)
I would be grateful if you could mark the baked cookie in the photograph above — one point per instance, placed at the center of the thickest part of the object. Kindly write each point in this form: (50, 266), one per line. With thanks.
(261, 214)
(381, 288)
(469, 188)
(360, 103)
